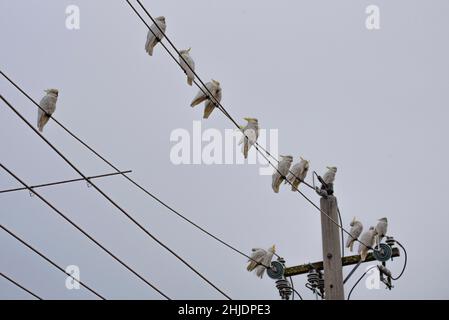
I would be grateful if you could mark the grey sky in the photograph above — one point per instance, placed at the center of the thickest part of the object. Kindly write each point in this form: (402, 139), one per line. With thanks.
(373, 103)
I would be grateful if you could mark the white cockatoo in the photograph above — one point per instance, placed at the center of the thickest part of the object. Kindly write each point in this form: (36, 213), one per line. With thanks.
(250, 135)
(48, 103)
(260, 260)
(186, 61)
(355, 232)
(298, 173)
(329, 176)
(367, 239)
(214, 88)
(381, 229)
(281, 172)
(155, 34)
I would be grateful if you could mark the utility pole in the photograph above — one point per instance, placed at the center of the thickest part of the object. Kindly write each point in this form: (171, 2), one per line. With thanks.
(332, 264)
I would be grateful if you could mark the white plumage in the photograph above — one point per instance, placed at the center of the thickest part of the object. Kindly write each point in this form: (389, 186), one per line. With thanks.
(48, 103)
(214, 88)
(281, 172)
(329, 176)
(381, 229)
(367, 239)
(186, 61)
(299, 170)
(260, 258)
(355, 232)
(250, 135)
(153, 40)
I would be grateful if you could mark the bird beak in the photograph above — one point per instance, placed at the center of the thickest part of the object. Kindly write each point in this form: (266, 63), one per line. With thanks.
(328, 168)
(247, 119)
(188, 50)
(274, 248)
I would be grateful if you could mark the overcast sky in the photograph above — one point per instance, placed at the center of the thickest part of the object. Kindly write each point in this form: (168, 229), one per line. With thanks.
(372, 103)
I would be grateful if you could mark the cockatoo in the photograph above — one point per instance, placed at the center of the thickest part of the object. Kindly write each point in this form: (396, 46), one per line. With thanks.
(329, 176)
(298, 173)
(186, 61)
(215, 89)
(281, 172)
(250, 135)
(260, 260)
(48, 103)
(152, 40)
(355, 232)
(381, 229)
(367, 239)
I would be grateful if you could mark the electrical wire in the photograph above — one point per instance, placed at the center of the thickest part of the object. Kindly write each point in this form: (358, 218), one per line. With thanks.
(50, 261)
(132, 181)
(405, 261)
(65, 181)
(20, 286)
(220, 107)
(84, 232)
(294, 290)
(112, 201)
(360, 279)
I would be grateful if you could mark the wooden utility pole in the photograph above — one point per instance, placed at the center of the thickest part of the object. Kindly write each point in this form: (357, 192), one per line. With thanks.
(332, 265)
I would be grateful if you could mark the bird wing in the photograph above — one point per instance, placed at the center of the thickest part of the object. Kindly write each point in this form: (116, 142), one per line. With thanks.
(203, 94)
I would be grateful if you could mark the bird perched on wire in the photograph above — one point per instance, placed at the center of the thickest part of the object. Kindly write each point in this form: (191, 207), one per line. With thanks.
(48, 104)
(260, 260)
(186, 61)
(250, 135)
(155, 34)
(355, 232)
(381, 229)
(366, 242)
(203, 95)
(298, 173)
(327, 181)
(282, 170)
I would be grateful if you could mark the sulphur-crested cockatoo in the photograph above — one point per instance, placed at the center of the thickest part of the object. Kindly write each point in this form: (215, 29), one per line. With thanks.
(298, 173)
(186, 61)
(329, 176)
(367, 239)
(155, 34)
(260, 260)
(355, 232)
(281, 172)
(215, 89)
(48, 103)
(250, 135)
(381, 229)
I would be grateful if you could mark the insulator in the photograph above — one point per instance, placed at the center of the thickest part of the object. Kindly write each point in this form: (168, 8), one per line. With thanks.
(276, 270)
(313, 277)
(383, 252)
(385, 271)
(285, 290)
(390, 241)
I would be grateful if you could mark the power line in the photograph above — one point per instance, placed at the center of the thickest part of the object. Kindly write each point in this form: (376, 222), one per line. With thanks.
(360, 279)
(20, 286)
(221, 108)
(405, 261)
(65, 181)
(112, 201)
(139, 186)
(84, 232)
(50, 261)
(204, 88)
